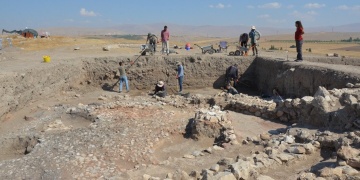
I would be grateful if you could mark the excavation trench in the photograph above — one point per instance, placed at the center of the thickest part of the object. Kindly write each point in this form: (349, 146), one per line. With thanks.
(259, 76)
(113, 127)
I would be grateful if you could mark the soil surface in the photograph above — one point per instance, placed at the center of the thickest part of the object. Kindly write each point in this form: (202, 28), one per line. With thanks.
(44, 135)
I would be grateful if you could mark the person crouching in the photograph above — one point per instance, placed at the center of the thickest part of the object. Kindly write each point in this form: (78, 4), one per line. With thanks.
(160, 89)
(231, 90)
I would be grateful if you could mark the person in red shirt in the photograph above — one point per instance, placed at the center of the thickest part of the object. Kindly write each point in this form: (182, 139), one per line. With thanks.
(165, 40)
(299, 40)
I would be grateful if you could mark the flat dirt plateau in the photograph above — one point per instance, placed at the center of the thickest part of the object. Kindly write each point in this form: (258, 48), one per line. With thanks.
(64, 119)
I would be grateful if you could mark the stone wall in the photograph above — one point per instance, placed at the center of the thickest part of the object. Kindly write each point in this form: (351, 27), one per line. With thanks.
(335, 109)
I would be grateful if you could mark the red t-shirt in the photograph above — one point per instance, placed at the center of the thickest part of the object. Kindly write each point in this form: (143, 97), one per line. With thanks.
(298, 34)
(165, 35)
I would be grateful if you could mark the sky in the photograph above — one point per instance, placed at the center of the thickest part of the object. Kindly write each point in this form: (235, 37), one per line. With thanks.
(20, 14)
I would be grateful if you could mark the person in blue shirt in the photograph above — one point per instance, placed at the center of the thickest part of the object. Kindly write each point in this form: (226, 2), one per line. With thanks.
(254, 37)
(180, 75)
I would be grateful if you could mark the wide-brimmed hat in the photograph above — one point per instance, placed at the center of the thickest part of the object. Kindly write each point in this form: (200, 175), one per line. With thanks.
(178, 63)
(160, 83)
(252, 27)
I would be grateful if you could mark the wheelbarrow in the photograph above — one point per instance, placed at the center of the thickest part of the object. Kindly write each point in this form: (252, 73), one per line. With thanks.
(239, 51)
(206, 49)
(147, 48)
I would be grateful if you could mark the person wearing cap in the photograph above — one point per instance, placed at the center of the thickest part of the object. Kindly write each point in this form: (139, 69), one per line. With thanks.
(254, 37)
(160, 89)
(165, 36)
(153, 40)
(180, 75)
(232, 74)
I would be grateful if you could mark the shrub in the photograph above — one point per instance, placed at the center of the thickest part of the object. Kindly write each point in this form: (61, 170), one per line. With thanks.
(272, 47)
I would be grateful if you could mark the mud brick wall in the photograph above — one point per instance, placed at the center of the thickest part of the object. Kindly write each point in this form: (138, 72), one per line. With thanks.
(294, 79)
(200, 71)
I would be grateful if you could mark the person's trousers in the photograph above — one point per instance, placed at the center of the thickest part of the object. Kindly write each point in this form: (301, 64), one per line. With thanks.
(254, 48)
(165, 47)
(153, 46)
(121, 81)
(299, 44)
(180, 79)
(244, 44)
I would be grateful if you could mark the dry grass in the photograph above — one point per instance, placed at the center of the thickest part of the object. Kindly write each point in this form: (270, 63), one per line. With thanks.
(320, 48)
(343, 49)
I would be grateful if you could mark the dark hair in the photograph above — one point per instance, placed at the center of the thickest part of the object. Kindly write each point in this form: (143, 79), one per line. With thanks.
(298, 23)
(165, 27)
(120, 63)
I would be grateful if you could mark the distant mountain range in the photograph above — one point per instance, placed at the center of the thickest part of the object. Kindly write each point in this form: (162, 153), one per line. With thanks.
(188, 30)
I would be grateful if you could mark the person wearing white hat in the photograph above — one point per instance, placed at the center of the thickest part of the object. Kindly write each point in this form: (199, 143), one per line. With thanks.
(254, 36)
(160, 87)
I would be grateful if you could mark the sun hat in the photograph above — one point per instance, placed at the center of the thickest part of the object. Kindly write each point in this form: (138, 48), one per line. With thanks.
(160, 84)
(178, 63)
(252, 27)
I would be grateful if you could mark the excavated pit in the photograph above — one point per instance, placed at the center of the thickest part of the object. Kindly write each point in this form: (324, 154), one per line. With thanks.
(94, 129)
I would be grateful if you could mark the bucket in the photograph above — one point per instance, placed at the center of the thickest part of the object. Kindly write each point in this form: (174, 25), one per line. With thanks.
(46, 58)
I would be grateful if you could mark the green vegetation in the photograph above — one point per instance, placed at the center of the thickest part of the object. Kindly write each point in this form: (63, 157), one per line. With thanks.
(128, 37)
(351, 40)
(272, 47)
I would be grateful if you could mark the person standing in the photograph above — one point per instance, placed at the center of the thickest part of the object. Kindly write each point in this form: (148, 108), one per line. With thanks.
(180, 75)
(243, 40)
(299, 40)
(123, 78)
(254, 36)
(165, 36)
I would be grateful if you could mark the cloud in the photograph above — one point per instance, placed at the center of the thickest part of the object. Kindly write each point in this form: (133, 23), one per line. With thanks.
(250, 7)
(84, 12)
(220, 6)
(264, 16)
(69, 20)
(314, 5)
(312, 13)
(345, 7)
(274, 5)
(276, 21)
(303, 16)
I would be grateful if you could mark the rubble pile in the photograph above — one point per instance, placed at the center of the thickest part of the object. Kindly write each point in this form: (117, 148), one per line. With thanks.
(213, 123)
(284, 149)
(336, 109)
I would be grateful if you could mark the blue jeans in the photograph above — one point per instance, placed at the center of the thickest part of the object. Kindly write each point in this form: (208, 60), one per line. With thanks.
(123, 79)
(180, 79)
(299, 44)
